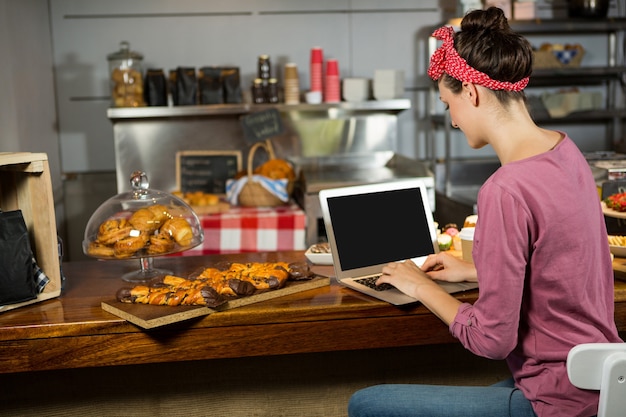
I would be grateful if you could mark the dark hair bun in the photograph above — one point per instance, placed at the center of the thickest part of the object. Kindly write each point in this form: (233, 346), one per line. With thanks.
(490, 19)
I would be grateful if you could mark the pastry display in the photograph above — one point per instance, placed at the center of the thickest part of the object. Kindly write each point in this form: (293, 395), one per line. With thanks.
(198, 198)
(202, 202)
(214, 286)
(150, 230)
(141, 223)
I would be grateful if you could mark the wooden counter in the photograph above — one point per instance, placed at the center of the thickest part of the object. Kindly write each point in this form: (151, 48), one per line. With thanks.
(74, 332)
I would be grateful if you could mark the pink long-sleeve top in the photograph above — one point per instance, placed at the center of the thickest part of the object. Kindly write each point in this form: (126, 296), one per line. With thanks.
(545, 276)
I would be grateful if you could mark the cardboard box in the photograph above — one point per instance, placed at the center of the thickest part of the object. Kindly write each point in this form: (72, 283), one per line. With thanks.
(25, 184)
(525, 10)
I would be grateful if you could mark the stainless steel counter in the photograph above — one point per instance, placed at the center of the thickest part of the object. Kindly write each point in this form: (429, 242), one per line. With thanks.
(148, 138)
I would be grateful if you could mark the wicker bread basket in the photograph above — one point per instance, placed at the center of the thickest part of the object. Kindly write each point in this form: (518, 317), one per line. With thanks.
(551, 59)
(253, 194)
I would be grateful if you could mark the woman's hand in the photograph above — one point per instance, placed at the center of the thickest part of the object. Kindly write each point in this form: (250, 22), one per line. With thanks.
(405, 276)
(445, 267)
(408, 277)
(419, 283)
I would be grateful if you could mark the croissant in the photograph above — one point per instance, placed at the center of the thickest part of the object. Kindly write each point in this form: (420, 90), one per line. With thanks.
(179, 229)
(276, 169)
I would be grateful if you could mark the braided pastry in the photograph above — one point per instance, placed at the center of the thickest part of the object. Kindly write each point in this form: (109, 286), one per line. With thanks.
(214, 286)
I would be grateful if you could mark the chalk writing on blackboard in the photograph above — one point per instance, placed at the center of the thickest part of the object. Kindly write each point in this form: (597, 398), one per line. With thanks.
(206, 171)
(262, 125)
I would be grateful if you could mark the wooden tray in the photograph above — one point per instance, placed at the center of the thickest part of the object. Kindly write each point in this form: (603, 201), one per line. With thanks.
(149, 317)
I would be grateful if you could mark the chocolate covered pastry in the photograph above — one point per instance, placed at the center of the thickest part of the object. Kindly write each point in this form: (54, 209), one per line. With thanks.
(214, 286)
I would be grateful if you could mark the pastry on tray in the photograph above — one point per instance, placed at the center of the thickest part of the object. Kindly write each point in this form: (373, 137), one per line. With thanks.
(214, 286)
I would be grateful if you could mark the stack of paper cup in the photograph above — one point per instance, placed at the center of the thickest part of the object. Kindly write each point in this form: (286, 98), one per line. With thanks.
(292, 84)
(332, 89)
(317, 61)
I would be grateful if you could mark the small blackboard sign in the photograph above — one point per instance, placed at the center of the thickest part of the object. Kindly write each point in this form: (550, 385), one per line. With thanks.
(262, 125)
(206, 171)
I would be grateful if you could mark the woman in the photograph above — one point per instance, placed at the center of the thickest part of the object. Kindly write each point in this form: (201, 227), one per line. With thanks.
(541, 254)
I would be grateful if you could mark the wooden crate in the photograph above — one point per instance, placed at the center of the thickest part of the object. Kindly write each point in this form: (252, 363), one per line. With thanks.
(25, 184)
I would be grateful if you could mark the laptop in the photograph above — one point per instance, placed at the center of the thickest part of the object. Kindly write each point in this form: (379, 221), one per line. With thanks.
(371, 225)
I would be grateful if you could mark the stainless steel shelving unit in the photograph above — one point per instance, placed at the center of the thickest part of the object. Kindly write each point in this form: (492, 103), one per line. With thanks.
(371, 106)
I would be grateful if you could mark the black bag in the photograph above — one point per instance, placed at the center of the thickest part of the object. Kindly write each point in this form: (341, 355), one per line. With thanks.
(155, 88)
(17, 281)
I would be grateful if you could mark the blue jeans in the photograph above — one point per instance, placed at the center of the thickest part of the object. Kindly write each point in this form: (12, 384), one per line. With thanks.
(404, 400)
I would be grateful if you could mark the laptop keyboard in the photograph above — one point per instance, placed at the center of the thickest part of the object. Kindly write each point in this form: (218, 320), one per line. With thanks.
(371, 282)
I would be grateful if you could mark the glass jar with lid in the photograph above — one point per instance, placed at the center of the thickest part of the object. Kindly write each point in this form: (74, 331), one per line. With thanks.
(126, 78)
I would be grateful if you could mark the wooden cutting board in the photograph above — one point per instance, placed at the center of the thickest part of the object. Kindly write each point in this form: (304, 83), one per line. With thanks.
(149, 317)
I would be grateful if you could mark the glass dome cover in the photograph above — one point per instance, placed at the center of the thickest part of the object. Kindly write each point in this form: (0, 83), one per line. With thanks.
(141, 223)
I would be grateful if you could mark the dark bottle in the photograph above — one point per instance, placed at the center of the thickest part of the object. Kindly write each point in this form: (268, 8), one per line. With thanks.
(271, 95)
(265, 68)
(258, 95)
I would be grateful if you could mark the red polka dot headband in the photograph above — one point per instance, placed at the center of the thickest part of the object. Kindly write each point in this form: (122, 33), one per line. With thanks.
(447, 59)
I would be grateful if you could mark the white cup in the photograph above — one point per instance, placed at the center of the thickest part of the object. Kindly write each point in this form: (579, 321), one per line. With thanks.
(467, 242)
(313, 97)
(356, 89)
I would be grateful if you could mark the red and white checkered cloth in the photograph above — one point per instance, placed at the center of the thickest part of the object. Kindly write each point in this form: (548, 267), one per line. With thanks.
(252, 229)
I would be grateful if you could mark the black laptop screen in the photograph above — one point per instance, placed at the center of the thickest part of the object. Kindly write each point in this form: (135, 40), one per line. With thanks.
(379, 227)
